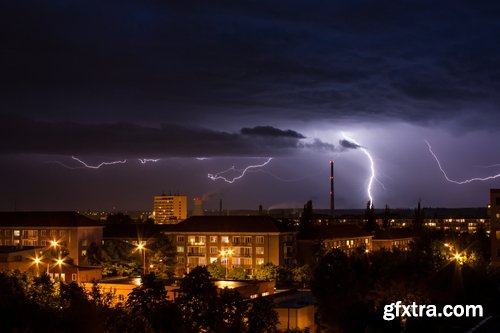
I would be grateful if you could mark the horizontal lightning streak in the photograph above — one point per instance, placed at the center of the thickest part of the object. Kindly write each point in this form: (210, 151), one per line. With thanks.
(457, 181)
(146, 160)
(99, 165)
(219, 175)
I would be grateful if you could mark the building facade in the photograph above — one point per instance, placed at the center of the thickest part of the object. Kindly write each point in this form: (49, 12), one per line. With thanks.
(397, 238)
(169, 209)
(236, 241)
(62, 231)
(495, 226)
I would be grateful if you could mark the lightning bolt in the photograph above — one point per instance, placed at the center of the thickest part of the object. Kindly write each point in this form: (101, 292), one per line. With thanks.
(219, 175)
(457, 181)
(99, 165)
(146, 160)
(372, 167)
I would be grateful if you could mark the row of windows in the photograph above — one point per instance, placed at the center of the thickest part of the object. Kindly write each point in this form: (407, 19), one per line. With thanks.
(234, 261)
(28, 242)
(223, 239)
(239, 251)
(31, 233)
(348, 243)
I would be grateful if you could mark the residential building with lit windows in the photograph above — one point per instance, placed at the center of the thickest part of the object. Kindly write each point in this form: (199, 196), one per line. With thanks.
(237, 241)
(494, 208)
(390, 239)
(346, 237)
(169, 209)
(49, 236)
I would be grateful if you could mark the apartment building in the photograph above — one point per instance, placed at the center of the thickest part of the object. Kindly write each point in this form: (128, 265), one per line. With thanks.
(495, 226)
(71, 231)
(237, 241)
(168, 209)
(346, 237)
(397, 238)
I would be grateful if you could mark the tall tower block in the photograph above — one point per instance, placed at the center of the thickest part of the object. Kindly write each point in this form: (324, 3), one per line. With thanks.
(332, 194)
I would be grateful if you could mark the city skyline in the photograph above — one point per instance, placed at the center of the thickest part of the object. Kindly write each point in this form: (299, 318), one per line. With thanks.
(107, 104)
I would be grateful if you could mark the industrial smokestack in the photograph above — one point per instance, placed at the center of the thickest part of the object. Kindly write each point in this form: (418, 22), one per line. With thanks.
(332, 194)
(220, 207)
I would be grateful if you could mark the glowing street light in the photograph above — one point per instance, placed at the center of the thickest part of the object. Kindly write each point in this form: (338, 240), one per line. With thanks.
(459, 258)
(226, 254)
(142, 248)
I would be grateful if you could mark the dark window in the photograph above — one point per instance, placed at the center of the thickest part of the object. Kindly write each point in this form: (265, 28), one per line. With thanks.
(497, 201)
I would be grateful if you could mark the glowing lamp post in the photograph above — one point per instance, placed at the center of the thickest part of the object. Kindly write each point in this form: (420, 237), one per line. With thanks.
(141, 248)
(226, 254)
(37, 261)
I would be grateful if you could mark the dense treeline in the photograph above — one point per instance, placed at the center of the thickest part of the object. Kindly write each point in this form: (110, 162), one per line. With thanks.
(353, 290)
(38, 304)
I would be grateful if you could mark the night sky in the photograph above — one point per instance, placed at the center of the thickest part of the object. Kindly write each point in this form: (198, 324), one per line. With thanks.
(207, 85)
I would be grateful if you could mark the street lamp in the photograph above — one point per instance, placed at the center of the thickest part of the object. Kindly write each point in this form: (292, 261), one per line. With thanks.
(226, 254)
(141, 248)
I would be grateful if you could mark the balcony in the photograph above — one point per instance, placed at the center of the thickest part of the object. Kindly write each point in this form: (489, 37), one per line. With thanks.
(195, 254)
(244, 255)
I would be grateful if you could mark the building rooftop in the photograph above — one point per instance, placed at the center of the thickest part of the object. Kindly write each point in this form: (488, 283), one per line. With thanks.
(294, 299)
(134, 231)
(336, 231)
(46, 219)
(396, 233)
(254, 223)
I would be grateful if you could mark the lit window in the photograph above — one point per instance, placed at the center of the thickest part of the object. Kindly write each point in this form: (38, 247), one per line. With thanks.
(73, 277)
(259, 261)
(213, 239)
(259, 250)
(180, 239)
(214, 250)
(180, 249)
(224, 239)
(259, 239)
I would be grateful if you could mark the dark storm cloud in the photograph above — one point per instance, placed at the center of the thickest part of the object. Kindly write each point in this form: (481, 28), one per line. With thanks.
(319, 146)
(24, 136)
(348, 144)
(154, 62)
(271, 131)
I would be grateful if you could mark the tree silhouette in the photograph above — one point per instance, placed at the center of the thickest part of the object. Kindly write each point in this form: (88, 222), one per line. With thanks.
(418, 219)
(262, 318)
(217, 270)
(371, 223)
(386, 223)
(197, 300)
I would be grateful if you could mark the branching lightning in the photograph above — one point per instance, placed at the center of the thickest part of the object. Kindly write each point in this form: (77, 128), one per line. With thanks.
(219, 175)
(457, 181)
(99, 165)
(147, 160)
(372, 167)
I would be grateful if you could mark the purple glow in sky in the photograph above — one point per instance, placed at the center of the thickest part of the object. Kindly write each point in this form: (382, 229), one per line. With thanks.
(183, 90)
